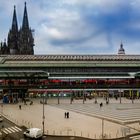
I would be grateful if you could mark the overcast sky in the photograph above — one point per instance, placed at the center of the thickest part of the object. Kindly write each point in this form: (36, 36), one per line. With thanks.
(77, 26)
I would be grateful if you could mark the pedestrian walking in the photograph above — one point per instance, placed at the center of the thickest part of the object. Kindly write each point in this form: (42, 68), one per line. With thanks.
(25, 102)
(31, 103)
(101, 104)
(65, 114)
(20, 107)
(2, 126)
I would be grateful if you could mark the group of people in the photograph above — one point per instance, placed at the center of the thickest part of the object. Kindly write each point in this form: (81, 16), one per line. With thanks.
(66, 114)
(31, 103)
(101, 104)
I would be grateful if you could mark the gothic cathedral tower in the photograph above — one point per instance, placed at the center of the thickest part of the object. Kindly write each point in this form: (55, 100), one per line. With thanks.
(20, 42)
(13, 35)
(26, 40)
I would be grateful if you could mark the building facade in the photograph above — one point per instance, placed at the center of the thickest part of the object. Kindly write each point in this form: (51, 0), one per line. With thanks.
(19, 41)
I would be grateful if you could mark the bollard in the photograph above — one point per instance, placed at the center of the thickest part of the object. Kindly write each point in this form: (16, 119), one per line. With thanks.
(74, 133)
(29, 124)
(54, 132)
(116, 135)
(95, 136)
(81, 133)
(88, 135)
(67, 132)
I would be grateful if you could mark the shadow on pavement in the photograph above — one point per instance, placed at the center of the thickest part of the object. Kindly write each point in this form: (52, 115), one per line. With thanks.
(50, 137)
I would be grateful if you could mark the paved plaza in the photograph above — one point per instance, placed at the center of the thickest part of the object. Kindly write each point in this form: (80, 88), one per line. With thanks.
(86, 120)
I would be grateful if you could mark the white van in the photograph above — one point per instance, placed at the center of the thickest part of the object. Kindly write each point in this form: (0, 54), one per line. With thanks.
(33, 133)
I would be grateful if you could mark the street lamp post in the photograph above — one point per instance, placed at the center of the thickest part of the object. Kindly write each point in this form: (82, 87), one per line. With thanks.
(102, 128)
(132, 97)
(107, 98)
(43, 115)
(120, 96)
(83, 96)
(95, 94)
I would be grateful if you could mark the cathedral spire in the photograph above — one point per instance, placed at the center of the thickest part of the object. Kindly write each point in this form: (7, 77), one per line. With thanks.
(14, 22)
(25, 23)
(26, 40)
(12, 40)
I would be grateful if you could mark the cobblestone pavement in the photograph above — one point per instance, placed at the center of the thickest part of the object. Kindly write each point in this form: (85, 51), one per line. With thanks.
(121, 113)
(87, 120)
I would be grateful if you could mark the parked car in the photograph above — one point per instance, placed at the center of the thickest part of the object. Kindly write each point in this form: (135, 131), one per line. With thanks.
(33, 133)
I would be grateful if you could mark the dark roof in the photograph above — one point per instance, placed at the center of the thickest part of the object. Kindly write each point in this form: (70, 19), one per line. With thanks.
(70, 61)
(71, 57)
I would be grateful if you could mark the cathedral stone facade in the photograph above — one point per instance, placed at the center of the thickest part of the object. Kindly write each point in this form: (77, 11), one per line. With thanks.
(19, 41)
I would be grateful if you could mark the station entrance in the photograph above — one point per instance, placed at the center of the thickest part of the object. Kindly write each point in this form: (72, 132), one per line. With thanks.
(37, 83)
